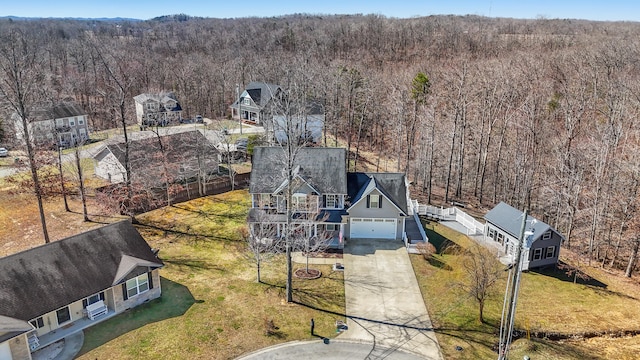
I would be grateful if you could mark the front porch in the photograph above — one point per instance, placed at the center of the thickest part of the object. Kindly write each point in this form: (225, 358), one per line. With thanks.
(70, 329)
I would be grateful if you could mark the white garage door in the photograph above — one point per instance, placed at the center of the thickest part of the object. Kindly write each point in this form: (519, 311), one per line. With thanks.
(373, 228)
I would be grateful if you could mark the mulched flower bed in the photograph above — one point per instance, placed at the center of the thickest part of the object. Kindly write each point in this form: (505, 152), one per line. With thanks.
(310, 275)
(329, 254)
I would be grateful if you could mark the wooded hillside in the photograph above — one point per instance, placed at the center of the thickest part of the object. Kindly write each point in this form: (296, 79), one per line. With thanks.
(537, 113)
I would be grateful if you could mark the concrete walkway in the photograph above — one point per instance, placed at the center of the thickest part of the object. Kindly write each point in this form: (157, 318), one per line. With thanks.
(384, 304)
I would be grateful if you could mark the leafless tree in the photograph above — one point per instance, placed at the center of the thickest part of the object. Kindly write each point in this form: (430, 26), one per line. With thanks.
(22, 77)
(482, 272)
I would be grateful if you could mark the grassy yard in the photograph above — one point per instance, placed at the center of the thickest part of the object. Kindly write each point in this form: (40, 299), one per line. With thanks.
(212, 307)
(548, 303)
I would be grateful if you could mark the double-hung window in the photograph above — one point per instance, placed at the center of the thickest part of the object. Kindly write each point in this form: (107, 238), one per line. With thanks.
(137, 285)
(63, 315)
(551, 251)
(374, 201)
(537, 254)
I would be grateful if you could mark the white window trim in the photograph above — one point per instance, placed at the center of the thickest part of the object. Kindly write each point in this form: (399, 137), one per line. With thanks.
(138, 283)
(553, 252)
(331, 227)
(537, 254)
(546, 235)
(81, 120)
(371, 202)
(34, 322)
(334, 200)
(246, 101)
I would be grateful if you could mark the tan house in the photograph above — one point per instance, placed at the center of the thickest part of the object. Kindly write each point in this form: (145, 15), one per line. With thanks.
(68, 285)
(63, 125)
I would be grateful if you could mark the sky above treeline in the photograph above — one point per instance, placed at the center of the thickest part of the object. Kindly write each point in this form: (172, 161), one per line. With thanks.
(610, 10)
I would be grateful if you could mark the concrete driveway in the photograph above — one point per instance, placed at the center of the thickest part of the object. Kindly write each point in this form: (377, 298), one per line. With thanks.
(383, 301)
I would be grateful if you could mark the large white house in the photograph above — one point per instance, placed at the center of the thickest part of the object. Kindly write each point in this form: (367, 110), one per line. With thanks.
(63, 125)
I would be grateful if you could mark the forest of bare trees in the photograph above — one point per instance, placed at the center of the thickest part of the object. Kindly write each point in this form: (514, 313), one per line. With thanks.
(537, 113)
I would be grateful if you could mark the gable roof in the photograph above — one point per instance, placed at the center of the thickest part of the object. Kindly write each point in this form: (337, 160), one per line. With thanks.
(48, 277)
(59, 111)
(10, 328)
(509, 219)
(324, 169)
(162, 97)
(260, 92)
(182, 150)
(391, 185)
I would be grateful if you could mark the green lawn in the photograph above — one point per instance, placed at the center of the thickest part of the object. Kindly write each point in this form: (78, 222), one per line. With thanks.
(212, 307)
(548, 303)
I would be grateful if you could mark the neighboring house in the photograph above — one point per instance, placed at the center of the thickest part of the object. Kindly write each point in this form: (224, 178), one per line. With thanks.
(306, 126)
(345, 205)
(188, 155)
(503, 225)
(71, 284)
(63, 125)
(255, 102)
(159, 109)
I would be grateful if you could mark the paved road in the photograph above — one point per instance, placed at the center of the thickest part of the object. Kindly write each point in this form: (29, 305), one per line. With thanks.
(384, 303)
(330, 350)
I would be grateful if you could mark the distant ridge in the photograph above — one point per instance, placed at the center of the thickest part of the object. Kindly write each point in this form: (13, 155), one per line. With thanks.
(20, 18)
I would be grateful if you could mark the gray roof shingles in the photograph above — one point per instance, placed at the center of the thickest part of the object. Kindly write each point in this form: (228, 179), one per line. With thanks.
(392, 185)
(48, 277)
(322, 168)
(509, 219)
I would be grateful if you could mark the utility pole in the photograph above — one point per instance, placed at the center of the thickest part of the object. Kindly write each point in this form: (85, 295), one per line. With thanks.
(511, 293)
(239, 107)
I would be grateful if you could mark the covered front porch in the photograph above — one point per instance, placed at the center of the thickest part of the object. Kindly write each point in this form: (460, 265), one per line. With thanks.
(69, 329)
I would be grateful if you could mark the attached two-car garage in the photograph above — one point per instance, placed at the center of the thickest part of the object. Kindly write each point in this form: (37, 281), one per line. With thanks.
(372, 228)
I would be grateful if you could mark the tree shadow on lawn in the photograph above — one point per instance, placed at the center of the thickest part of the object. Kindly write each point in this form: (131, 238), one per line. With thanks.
(176, 299)
(560, 274)
(194, 235)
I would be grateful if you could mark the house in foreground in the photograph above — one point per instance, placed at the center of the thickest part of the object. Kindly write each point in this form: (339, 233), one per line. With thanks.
(503, 225)
(63, 125)
(343, 205)
(72, 284)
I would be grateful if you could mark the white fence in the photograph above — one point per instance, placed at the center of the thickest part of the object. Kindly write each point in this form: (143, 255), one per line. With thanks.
(473, 226)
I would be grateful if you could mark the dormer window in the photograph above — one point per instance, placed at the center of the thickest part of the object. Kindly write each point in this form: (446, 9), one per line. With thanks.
(246, 101)
(331, 201)
(374, 201)
(547, 235)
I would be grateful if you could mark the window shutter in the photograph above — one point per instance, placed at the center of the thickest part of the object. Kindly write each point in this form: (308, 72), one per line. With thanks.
(150, 277)
(368, 203)
(324, 200)
(102, 296)
(379, 202)
(85, 303)
(124, 291)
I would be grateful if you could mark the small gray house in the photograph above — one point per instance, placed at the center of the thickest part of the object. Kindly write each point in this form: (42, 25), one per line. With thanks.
(503, 225)
(348, 205)
(71, 284)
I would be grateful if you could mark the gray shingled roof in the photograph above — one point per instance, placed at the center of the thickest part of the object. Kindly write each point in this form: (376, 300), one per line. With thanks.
(53, 275)
(509, 219)
(162, 97)
(62, 110)
(260, 92)
(392, 185)
(182, 149)
(323, 168)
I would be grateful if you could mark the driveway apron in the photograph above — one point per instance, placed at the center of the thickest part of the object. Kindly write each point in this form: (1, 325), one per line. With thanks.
(383, 301)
